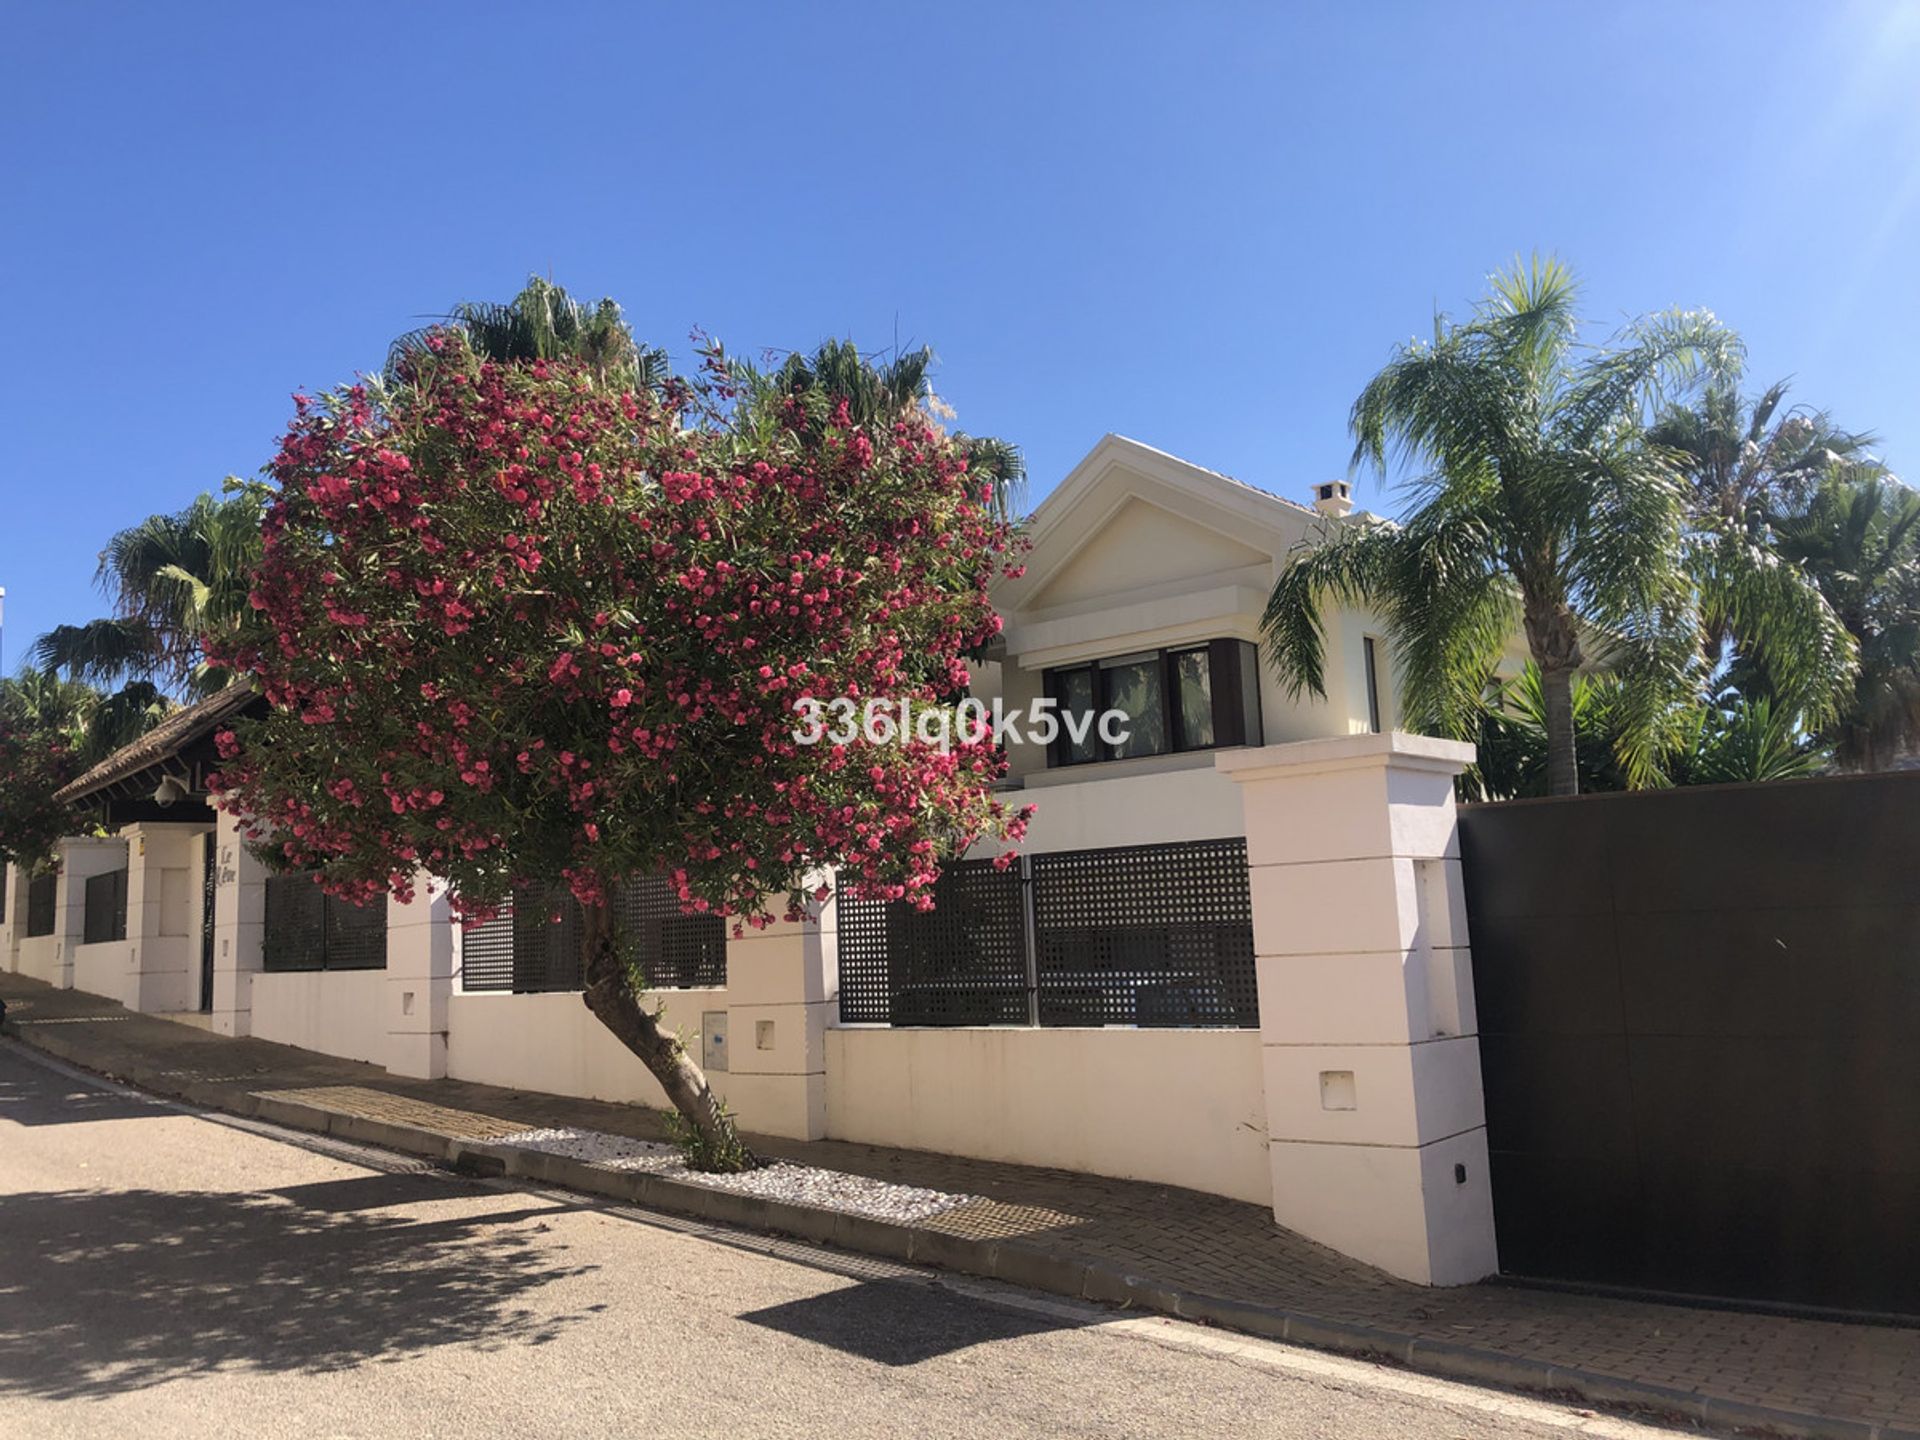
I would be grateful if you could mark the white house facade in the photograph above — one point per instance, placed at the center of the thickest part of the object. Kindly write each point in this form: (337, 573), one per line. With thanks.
(1232, 960)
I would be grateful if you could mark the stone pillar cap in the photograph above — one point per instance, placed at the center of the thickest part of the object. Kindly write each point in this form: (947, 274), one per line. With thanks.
(1395, 749)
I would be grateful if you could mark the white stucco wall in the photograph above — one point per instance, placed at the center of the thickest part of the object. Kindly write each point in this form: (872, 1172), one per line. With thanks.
(107, 969)
(39, 958)
(1156, 800)
(1183, 1107)
(553, 1043)
(338, 1012)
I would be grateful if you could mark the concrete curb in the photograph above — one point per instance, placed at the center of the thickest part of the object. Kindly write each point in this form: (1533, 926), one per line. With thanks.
(1009, 1261)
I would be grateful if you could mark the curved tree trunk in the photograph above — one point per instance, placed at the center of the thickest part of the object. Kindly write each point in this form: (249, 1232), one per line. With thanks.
(610, 996)
(1563, 768)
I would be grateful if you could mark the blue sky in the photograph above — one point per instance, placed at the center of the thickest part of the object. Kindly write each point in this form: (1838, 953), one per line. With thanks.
(1200, 225)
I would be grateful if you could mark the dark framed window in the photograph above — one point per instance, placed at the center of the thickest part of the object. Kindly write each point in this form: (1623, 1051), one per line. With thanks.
(1185, 697)
(43, 891)
(1371, 647)
(106, 913)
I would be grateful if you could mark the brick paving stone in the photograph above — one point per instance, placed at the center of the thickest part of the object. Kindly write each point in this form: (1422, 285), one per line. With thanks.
(1180, 1239)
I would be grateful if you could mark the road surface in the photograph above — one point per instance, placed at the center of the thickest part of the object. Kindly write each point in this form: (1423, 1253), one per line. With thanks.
(165, 1274)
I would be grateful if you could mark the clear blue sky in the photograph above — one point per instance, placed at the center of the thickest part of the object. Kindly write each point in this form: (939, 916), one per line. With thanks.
(1200, 225)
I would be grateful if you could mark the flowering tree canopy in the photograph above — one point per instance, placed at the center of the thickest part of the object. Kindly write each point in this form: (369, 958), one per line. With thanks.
(50, 731)
(33, 765)
(523, 622)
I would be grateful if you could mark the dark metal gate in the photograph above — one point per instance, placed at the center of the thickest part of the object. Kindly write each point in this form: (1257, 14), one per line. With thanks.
(209, 884)
(1700, 1034)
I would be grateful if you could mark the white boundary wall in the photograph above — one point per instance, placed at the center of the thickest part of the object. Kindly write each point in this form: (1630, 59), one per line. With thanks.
(1181, 1107)
(1355, 1111)
(553, 1043)
(337, 1012)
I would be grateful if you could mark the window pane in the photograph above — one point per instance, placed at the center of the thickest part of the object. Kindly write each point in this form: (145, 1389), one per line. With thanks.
(1193, 685)
(1074, 689)
(1133, 688)
(1372, 656)
(1250, 728)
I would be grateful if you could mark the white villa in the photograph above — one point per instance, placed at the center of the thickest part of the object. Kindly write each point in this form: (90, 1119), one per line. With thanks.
(1233, 960)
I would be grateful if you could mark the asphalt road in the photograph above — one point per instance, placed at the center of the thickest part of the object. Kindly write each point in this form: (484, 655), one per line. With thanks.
(168, 1274)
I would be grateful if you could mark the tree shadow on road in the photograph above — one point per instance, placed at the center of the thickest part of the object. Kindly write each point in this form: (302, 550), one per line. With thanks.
(44, 1097)
(107, 1292)
(903, 1322)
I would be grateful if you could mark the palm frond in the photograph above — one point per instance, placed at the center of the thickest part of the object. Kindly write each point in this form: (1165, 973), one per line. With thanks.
(1654, 355)
(1351, 565)
(542, 322)
(100, 652)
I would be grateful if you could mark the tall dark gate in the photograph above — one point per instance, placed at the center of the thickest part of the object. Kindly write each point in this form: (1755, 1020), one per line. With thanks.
(1700, 1032)
(209, 888)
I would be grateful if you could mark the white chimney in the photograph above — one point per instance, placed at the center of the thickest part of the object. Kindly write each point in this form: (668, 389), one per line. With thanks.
(1333, 499)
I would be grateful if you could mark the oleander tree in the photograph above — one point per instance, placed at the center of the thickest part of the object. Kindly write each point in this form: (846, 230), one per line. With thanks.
(44, 724)
(33, 765)
(545, 620)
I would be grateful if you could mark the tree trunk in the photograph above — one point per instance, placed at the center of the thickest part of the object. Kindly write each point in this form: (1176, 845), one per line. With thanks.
(611, 998)
(1563, 767)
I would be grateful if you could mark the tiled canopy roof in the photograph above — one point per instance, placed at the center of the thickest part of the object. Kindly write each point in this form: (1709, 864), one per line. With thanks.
(164, 742)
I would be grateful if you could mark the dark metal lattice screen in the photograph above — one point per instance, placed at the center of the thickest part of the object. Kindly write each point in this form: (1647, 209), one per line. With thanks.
(486, 953)
(962, 963)
(1148, 935)
(1157, 935)
(534, 945)
(106, 912)
(43, 893)
(310, 930)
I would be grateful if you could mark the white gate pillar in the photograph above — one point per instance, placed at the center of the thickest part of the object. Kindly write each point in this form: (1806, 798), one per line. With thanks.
(163, 916)
(782, 988)
(239, 927)
(1375, 1115)
(13, 923)
(419, 980)
(81, 858)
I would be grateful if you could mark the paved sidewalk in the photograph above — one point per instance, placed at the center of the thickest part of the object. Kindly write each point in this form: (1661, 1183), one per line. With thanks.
(1149, 1245)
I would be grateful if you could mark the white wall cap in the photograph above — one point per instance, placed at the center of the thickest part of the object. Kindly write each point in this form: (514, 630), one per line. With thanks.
(1395, 749)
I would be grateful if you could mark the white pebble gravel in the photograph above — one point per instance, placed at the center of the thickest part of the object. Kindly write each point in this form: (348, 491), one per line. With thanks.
(780, 1180)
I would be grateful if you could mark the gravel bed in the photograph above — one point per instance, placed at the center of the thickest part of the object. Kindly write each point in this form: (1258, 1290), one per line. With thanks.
(780, 1180)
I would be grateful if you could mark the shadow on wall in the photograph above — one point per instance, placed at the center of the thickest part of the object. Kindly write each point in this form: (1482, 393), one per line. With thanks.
(106, 1293)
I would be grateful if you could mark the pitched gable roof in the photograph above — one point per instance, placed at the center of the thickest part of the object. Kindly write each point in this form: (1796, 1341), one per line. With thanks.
(165, 743)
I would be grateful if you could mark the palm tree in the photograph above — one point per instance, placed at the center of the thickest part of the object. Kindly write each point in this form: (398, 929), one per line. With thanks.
(1859, 538)
(875, 389)
(1742, 738)
(175, 582)
(1729, 737)
(1739, 459)
(1543, 504)
(542, 322)
(39, 700)
(89, 723)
